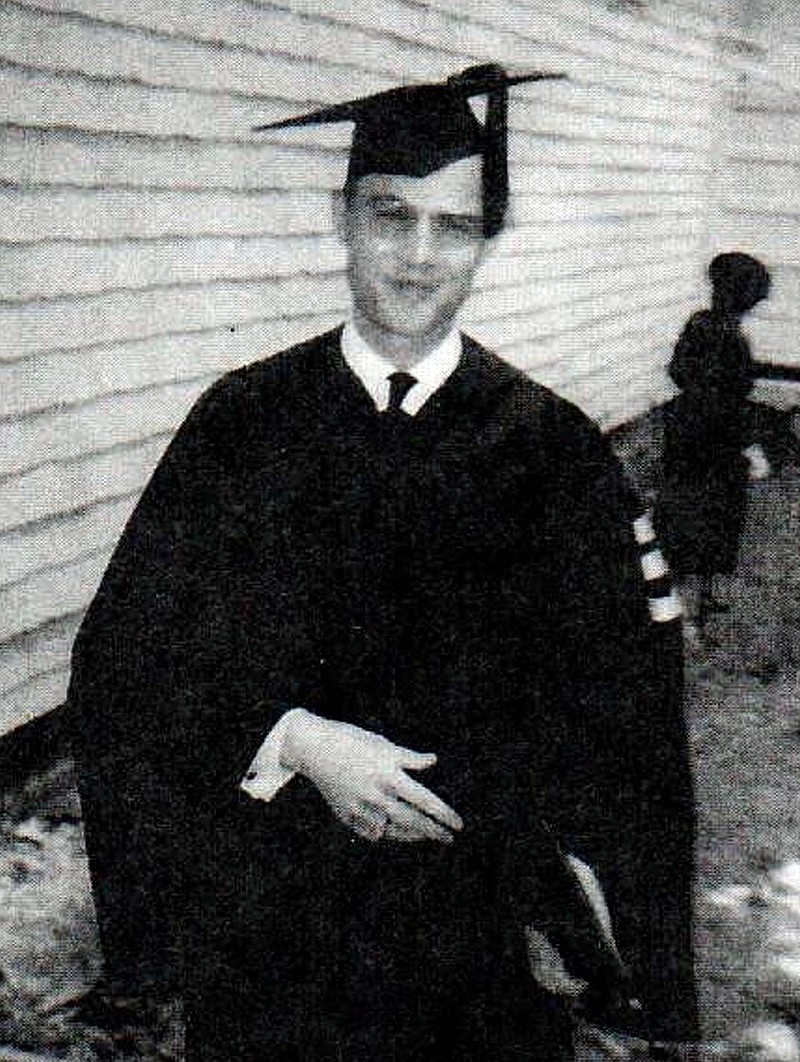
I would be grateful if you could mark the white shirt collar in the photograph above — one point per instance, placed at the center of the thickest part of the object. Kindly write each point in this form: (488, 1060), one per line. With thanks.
(373, 370)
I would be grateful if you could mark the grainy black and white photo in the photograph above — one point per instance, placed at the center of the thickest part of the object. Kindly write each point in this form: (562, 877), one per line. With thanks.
(399, 520)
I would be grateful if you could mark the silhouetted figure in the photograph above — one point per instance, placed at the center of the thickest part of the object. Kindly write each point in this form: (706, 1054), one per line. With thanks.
(706, 464)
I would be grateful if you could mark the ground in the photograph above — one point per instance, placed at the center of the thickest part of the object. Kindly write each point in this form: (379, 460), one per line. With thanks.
(744, 704)
(743, 689)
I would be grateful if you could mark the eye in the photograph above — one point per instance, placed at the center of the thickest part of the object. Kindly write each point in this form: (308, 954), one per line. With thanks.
(387, 208)
(461, 226)
(390, 215)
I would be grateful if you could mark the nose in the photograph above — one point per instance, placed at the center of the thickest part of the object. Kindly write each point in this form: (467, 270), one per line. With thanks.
(420, 247)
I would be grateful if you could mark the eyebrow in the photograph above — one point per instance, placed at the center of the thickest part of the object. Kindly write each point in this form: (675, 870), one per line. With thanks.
(392, 199)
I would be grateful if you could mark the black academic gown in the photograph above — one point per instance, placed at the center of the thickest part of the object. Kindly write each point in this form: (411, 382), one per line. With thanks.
(464, 582)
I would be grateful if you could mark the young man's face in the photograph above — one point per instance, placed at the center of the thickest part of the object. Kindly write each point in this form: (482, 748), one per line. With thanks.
(414, 244)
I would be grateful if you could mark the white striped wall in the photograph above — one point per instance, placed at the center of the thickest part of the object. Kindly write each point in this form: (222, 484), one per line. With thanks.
(758, 203)
(149, 240)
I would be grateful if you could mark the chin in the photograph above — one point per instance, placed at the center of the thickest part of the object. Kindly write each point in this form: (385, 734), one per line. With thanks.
(415, 321)
(414, 330)
(417, 325)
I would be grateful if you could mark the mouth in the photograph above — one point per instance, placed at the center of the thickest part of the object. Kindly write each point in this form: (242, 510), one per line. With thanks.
(412, 286)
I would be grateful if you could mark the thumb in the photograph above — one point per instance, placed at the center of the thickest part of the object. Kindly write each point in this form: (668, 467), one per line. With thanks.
(416, 761)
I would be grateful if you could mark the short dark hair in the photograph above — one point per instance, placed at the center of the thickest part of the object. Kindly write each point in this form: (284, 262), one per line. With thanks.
(739, 278)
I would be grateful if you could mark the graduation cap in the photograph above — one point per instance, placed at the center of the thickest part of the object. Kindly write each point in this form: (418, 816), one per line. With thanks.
(415, 130)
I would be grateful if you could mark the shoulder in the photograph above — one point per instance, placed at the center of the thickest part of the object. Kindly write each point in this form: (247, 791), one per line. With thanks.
(531, 405)
(294, 370)
(702, 326)
(553, 434)
(248, 399)
(526, 400)
(702, 319)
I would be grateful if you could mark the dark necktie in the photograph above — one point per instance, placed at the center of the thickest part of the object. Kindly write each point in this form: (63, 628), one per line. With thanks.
(400, 383)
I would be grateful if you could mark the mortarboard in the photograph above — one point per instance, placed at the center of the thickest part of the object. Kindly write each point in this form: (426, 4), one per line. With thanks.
(415, 130)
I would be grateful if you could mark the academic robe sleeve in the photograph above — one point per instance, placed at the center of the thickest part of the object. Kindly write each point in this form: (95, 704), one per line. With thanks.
(622, 796)
(167, 713)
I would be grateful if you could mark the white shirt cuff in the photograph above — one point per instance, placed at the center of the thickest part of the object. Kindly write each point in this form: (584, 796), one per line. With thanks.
(266, 775)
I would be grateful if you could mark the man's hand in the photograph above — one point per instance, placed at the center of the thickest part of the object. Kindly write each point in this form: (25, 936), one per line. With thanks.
(362, 775)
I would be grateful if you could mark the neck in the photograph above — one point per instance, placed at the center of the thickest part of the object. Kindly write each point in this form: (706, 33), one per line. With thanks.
(723, 307)
(402, 351)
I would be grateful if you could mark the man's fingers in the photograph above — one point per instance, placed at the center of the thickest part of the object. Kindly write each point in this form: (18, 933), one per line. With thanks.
(393, 820)
(425, 801)
(376, 790)
(396, 832)
(417, 825)
(415, 761)
(368, 822)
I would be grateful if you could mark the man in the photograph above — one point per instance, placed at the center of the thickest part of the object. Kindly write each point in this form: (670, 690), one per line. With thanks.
(375, 636)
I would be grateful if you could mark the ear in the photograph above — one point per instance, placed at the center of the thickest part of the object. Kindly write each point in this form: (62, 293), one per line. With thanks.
(339, 210)
(487, 248)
